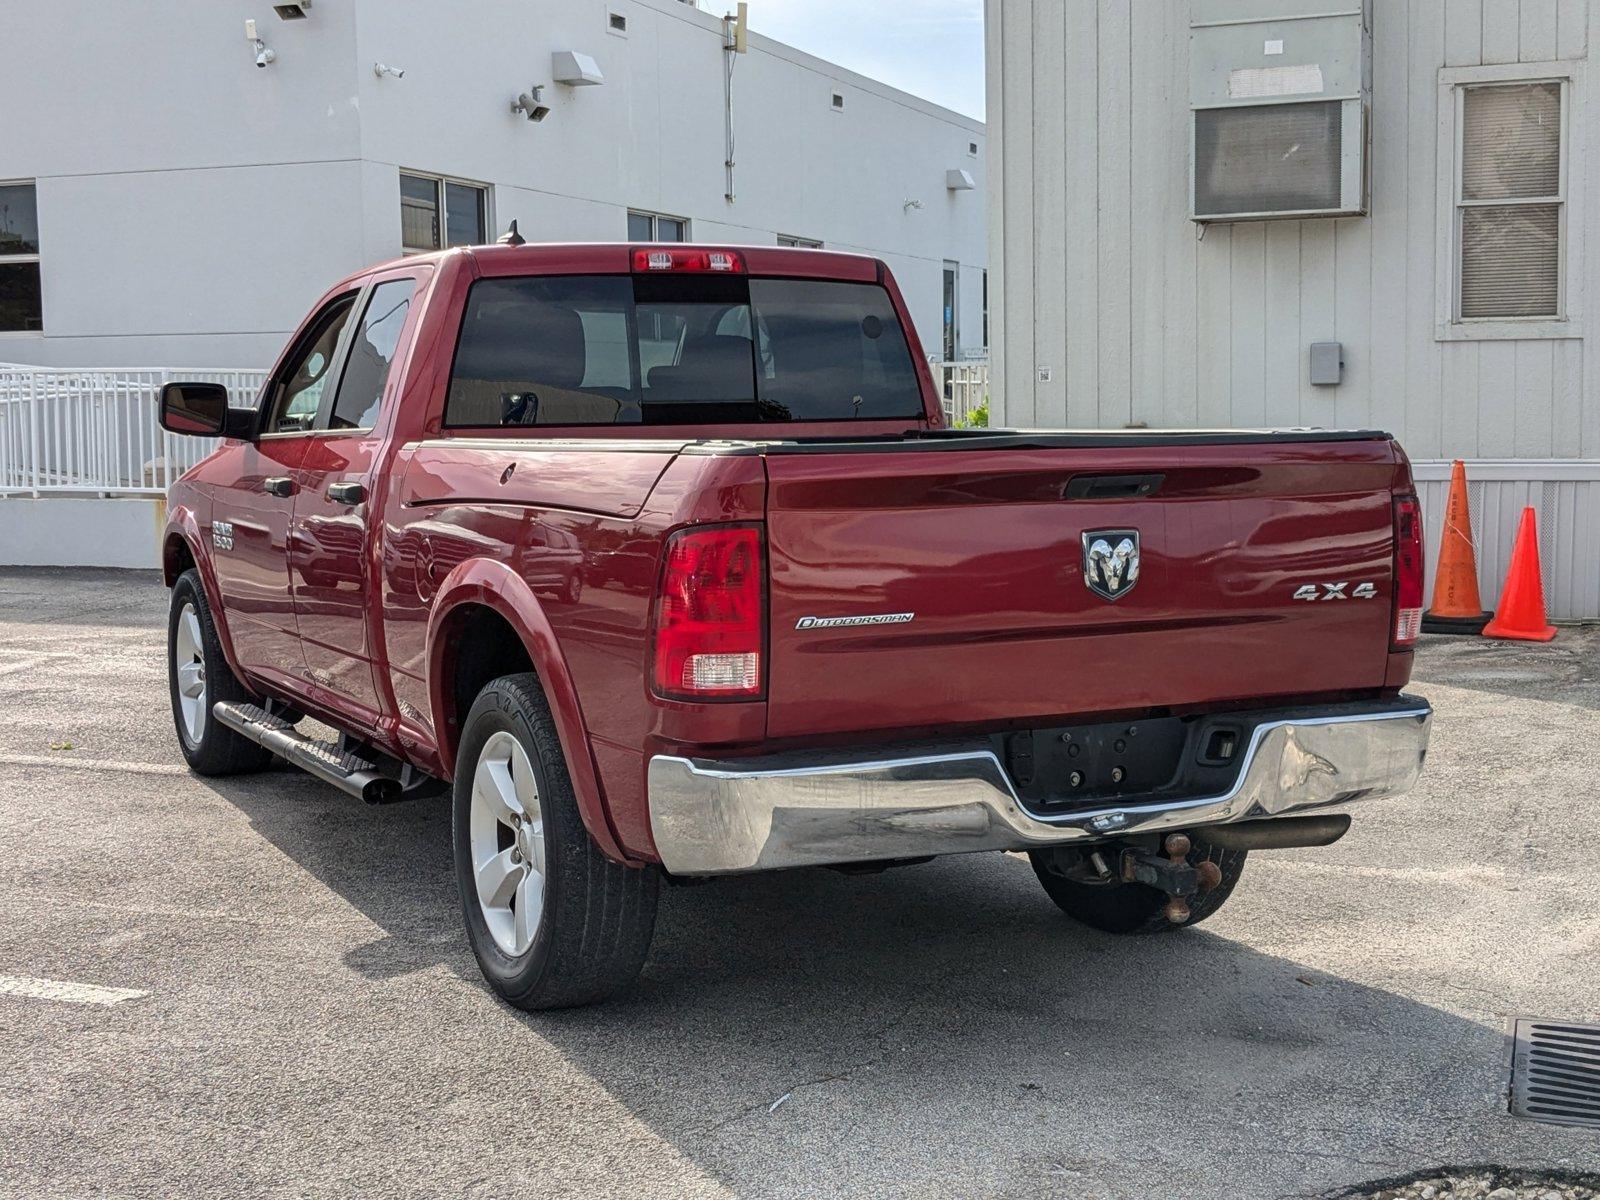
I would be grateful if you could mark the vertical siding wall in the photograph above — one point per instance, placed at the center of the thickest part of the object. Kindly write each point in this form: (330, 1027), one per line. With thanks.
(1109, 308)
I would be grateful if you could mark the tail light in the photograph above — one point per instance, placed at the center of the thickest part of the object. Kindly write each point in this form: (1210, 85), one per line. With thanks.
(1407, 571)
(666, 258)
(710, 615)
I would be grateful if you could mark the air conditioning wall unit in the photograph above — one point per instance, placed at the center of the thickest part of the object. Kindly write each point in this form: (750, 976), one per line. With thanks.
(1281, 94)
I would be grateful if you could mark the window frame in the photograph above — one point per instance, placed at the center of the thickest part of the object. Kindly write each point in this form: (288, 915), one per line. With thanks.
(793, 241)
(37, 258)
(1450, 326)
(441, 195)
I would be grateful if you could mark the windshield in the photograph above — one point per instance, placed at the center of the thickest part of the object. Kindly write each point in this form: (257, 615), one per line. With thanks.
(678, 349)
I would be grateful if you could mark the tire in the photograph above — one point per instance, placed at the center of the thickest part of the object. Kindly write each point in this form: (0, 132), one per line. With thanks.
(1136, 907)
(195, 661)
(589, 934)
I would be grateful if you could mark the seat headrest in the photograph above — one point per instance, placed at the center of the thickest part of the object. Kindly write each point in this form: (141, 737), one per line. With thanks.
(714, 367)
(526, 342)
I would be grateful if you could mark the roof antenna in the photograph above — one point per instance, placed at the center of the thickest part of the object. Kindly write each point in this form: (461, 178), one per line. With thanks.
(511, 237)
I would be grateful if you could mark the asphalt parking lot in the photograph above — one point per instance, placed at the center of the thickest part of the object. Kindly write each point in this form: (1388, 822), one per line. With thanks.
(312, 1023)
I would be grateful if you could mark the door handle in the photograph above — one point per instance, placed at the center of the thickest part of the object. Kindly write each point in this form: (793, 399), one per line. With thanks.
(278, 485)
(347, 493)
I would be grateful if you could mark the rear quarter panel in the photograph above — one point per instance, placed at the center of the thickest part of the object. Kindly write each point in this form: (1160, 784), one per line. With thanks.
(581, 530)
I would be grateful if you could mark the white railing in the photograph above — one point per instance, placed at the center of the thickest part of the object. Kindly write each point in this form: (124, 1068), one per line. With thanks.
(92, 431)
(963, 387)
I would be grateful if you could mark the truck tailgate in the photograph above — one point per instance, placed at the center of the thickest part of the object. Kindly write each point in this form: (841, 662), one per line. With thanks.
(986, 549)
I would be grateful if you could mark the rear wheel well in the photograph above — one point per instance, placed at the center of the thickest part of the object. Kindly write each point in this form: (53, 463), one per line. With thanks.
(479, 646)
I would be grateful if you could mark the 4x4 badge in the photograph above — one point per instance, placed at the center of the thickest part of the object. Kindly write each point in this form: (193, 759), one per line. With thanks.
(1111, 561)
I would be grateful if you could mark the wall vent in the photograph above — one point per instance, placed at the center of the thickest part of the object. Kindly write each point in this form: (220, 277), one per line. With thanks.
(1280, 91)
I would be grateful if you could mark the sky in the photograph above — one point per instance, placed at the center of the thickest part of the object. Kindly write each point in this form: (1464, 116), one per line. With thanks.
(930, 48)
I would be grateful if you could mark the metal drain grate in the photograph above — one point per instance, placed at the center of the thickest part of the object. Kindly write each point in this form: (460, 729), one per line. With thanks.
(1555, 1072)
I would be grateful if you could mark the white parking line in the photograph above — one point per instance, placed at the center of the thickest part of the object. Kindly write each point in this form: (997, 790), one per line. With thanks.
(72, 993)
(90, 764)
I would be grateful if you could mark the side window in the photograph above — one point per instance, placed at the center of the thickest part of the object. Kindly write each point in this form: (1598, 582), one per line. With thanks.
(298, 390)
(372, 352)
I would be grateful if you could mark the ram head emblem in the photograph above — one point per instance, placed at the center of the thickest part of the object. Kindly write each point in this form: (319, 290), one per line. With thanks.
(1111, 561)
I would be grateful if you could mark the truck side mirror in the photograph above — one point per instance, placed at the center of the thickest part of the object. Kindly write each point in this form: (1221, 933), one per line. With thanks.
(201, 410)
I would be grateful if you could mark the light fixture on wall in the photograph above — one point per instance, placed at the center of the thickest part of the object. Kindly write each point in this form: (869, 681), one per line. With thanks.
(381, 69)
(960, 181)
(531, 104)
(293, 12)
(265, 55)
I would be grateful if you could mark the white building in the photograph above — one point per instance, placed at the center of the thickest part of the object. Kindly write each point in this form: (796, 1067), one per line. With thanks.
(165, 201)
(1461, 296)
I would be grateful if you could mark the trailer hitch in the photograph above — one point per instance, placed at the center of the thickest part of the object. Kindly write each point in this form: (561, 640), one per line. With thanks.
(1172, 874)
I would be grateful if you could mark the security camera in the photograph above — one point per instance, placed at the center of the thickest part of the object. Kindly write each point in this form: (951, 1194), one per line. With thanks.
(264, 55)
(531, 104)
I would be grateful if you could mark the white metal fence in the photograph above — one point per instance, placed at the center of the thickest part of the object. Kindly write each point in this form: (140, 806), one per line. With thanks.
(95, 432)
(963, 388)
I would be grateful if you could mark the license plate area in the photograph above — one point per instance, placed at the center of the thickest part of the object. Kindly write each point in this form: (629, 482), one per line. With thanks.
(1067, 768)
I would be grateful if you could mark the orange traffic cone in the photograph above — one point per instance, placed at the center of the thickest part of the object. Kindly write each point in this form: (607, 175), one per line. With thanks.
(1456, 606)
(1521, 613)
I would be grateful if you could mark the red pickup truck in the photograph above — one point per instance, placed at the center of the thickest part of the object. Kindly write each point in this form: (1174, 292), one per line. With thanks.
(661, 561)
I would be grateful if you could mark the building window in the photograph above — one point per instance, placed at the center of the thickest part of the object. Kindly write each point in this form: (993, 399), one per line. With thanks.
(951, 339)
(436, 213)
(1510, 201)
(986, 311)
(798, 243)
(653, 227)
(21, 300)
(1509, 228)
(617, 23)
(838, 102)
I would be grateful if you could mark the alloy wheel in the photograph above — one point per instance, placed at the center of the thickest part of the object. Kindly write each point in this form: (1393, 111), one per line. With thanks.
(189, 669)
(508, 845)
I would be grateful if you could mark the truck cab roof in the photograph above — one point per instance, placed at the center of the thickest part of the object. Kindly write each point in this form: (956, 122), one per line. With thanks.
(616, 258)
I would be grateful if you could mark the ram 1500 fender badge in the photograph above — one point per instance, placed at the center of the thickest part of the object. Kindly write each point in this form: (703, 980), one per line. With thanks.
(851, 622)
(1111, 561)
(1336, 591)
(222, 535)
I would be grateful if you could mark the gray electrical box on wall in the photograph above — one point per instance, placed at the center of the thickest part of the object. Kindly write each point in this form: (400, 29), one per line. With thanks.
(1280, 92)
(1327, 364)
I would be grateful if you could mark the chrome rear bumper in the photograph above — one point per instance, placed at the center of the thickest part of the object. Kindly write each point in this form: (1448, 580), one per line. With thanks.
(792, 810)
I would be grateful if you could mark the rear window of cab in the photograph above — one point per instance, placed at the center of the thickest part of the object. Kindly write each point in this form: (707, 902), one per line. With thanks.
(678, 350)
